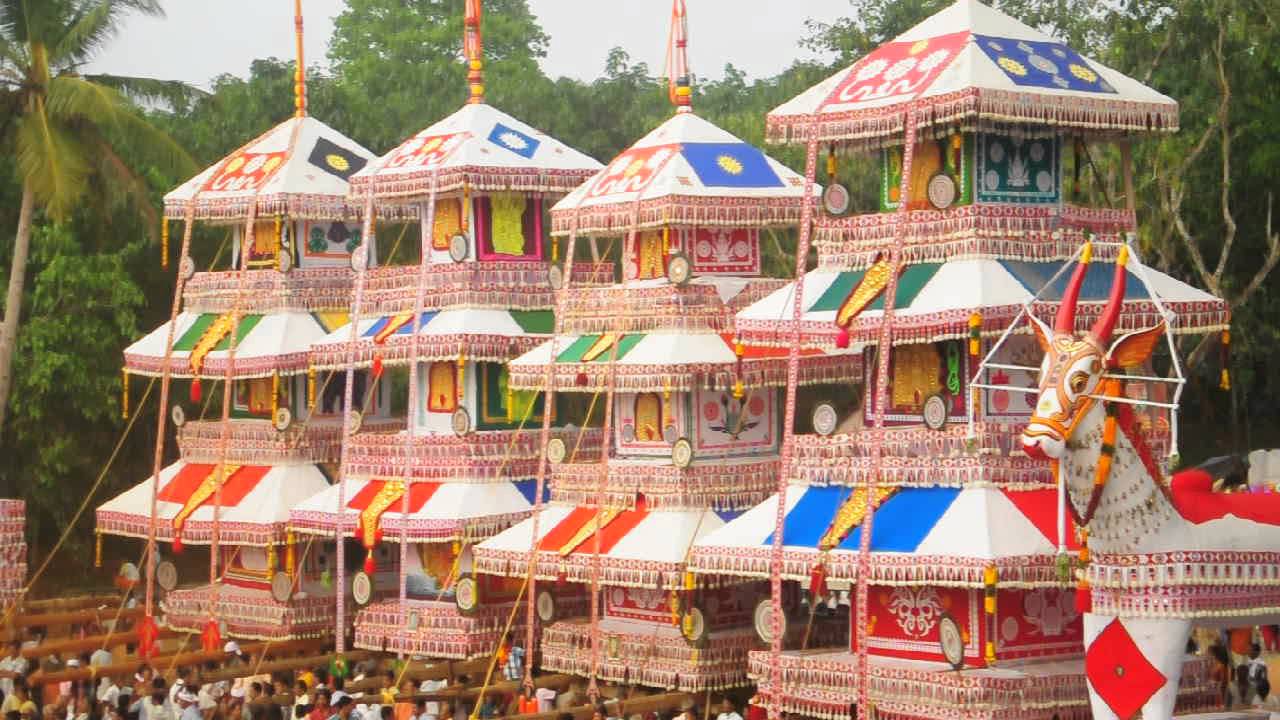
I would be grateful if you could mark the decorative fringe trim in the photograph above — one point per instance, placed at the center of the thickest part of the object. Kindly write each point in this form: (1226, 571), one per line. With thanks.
(299, 206)
(824, 685)
(720, 484)
(1021, 232)
(215, 368)
(323, 289)
(405, 187)
(478, 457)
(890, 569)
(193, 532)
(577, 568)
(953, 324)
(313, 522)
(686, 377)
(442, 631)
(1191, 584)
(257, 442)
(677, 211)
(255, 616)
(492, 284)
(653, 659)
(696, 307)
(399, 349)
(982, 108)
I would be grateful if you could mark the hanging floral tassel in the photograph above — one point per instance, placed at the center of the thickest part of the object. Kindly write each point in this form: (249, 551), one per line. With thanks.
(164, 243)
(462, 374)
(290, 553)
(377, 365)
(989, 578)
(148, 634)
(177, 545)
(195, 390)
(817, 582)
(831, 163)
(211, 637)
(124, 394)
(1084, 595)
(842, 337)
(97, 549)
(275, 395)
(1225, 382)
(975, 334)
(370, 565)
(311, 388)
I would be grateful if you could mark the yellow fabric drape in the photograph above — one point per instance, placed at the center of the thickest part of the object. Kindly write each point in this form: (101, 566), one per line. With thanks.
(507, 212)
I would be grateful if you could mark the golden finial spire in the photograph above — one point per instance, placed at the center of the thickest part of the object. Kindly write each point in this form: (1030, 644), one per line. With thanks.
(678, 83)
(300, 76)
(473, 49)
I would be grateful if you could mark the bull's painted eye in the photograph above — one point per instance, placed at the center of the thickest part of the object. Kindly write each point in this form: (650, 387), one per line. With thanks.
(1078, 382)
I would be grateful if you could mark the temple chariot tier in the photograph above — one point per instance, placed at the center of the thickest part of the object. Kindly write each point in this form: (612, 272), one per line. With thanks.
(412, 502)
(689, 413)
(912, 505)
(257, 433)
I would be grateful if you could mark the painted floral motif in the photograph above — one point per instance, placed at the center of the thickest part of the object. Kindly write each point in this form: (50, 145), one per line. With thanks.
(1049, 611)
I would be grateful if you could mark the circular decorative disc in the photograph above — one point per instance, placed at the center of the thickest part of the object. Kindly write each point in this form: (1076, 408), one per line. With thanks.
(836, 199)
(281, 587)
(952, 641)
(670, 434)
(186, 267)
(825, 419)
(461, 421)
(546, 606)
(360, 258)
(628, 433)
(361, 588)
(941, 191)
(556, 451)
(283, 418)
(458, 247)
(178, 416)
(679, 269)
(285, 262)
(466, 593)
(934, 412)
(166, 576)
(763, 620)
(354, 419)
(694, 626)
(555, 277)
(681, 453)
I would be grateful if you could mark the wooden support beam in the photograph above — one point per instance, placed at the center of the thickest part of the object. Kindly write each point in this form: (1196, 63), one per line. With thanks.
(87, 644)
(71, 617)
(128, 666)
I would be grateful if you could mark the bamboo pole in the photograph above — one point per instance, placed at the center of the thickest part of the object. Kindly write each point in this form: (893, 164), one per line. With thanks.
(128, 666)
(75, 616)
(88, 644)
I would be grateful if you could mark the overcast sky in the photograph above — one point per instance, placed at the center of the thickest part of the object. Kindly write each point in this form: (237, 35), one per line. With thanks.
(201, 39)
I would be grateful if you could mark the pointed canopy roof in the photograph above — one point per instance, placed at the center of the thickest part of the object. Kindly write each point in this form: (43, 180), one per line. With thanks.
(298, 168)
(478, 146)
(686, 172)
(970, 61)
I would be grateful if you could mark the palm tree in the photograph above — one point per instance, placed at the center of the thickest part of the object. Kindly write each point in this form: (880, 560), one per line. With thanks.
(66, 130)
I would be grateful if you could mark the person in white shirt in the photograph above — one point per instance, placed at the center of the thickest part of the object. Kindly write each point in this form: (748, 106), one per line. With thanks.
(728, 711)
(190, 704)
(12, 666)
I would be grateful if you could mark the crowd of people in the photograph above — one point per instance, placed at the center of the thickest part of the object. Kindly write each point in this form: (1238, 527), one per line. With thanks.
(204, 693)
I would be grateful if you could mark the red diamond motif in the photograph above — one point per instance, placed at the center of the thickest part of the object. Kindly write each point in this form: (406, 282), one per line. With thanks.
(1119, 672)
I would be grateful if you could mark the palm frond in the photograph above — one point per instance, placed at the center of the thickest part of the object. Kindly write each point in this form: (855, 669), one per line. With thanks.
(173, 93)
(71, 96)
(51, 161)
(93, 24)
(151, 145)
(119, 180)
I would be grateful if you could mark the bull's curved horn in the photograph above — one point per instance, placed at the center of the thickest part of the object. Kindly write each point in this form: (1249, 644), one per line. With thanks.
(1066, 320)
(1106, 323)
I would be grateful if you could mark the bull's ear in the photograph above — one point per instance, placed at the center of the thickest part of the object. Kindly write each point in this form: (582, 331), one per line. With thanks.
(1041, 331)
(1133, 349)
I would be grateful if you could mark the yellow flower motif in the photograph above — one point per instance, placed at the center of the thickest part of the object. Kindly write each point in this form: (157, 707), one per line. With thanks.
(431, 144)
(633, 168)
(729, 164)
(1013, 67)
(337, 162)
(1083, 72)
(918, 47)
